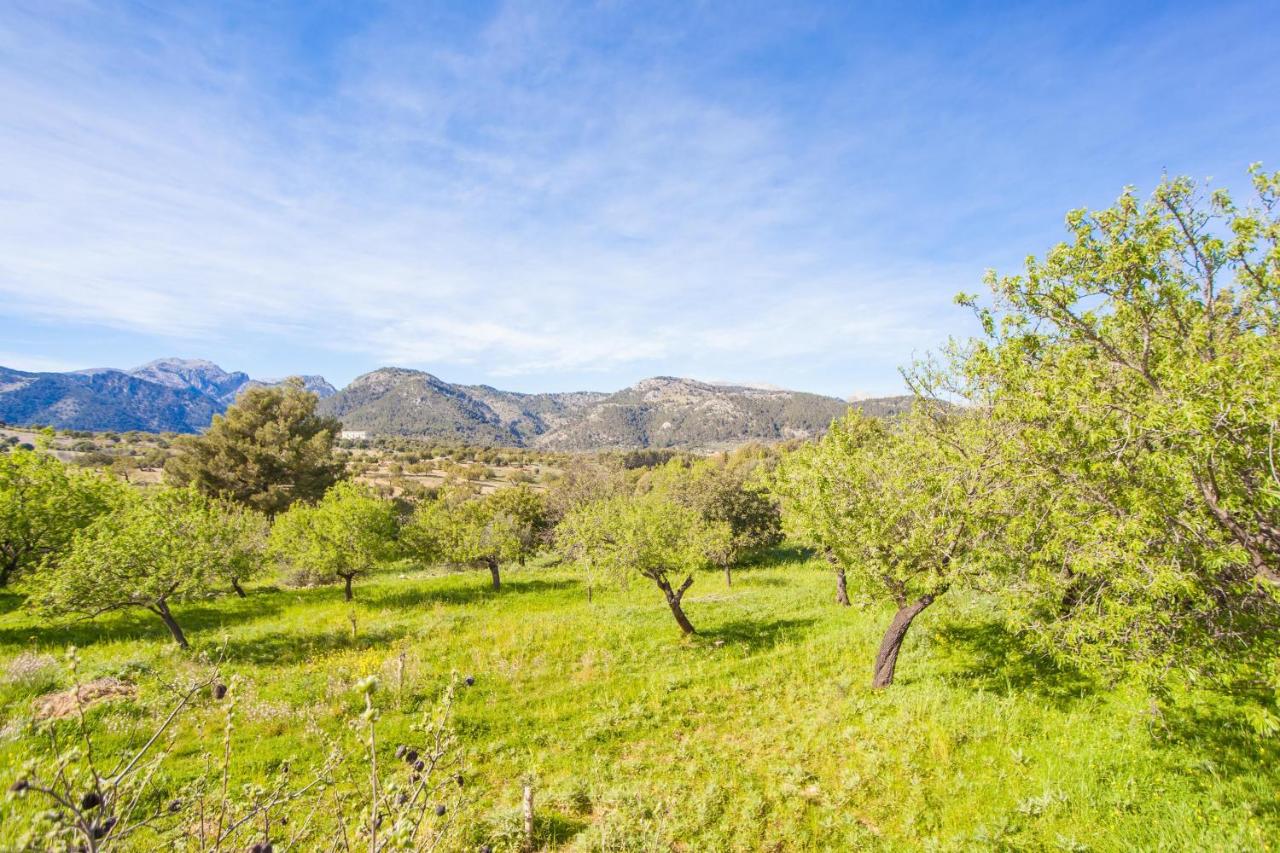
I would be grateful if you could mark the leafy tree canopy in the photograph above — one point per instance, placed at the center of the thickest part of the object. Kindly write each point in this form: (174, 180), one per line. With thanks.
(1137, 369)
(42, 505)
(155, 547)
(649, 536)
(269, 450)
(906, 508)
(344, 535)
(500, 527)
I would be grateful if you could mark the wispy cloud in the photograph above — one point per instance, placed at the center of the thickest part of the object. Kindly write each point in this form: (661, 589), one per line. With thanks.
(547, 191)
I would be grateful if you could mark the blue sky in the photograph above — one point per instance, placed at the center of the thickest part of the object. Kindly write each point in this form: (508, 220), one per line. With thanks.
(553, 196)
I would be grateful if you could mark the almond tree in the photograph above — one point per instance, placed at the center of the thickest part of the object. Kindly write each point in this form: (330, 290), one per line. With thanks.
(649, 536)
(157, 547)
(1137, 369)
(344, 535)
(42, 505)
(722, 489)
(905, 508)
(498, 528)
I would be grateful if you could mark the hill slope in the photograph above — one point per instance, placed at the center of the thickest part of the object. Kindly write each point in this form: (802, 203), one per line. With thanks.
(671, 412)
(166, 395)
(102, 400)
(762, 733)
(659, 412)
(411, 402)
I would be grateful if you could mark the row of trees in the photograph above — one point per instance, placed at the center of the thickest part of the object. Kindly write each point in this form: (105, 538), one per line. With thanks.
(106, 546)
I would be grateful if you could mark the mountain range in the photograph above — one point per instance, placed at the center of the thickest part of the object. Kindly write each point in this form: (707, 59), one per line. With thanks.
(183, 395)
(167, 395)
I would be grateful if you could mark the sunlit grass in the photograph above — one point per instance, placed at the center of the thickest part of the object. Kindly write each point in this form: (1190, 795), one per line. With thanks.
(760, 733)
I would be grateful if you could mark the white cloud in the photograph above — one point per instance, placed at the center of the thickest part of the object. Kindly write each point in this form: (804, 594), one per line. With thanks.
(516, 203)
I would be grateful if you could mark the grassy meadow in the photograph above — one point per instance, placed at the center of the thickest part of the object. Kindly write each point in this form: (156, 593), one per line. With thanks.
(761, 733)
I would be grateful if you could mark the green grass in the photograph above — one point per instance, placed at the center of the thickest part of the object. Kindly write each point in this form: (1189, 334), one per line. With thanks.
(759, 734)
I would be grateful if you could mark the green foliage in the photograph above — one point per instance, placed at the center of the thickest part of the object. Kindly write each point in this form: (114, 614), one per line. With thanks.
(1137, 369)
(721, 491)
(154, 547)
(42, 505)
(906, 508)
(267, 451)
(509, 524)
(649, 536)
(344, 535)
(91, 798)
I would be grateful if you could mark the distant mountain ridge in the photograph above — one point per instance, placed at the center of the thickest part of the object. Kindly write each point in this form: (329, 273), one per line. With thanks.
(166, 395)
(663, 411)
(183, 395)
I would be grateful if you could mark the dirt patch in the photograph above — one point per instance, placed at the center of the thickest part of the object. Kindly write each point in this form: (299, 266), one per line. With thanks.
(55, 706)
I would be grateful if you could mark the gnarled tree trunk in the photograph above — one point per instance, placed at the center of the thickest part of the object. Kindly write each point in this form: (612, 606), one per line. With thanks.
(161, 609)
(887, 657)
(842, 588)
(493, 573)
(674, 597)
(235, 584)
(346, 593)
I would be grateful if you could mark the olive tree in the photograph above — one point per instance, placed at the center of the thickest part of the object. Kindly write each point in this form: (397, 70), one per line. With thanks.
(268, 450)
(904, 508)
(1137, 368)
(42, 505)
(650, 536)
(498, 528)
(345, 534)
(156, 547)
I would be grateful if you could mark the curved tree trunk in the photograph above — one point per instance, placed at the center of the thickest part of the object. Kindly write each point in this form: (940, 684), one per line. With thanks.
(494, 576)
(674, 597)
(235, 584)
(347, 591)
(887, 657)
(161, 609)
(842, 589)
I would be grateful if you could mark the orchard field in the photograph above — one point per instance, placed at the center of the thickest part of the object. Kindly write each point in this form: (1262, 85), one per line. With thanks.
(760, 733)
(1039, 609)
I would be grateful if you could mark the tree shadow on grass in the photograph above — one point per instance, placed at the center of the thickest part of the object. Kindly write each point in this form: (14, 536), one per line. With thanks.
(993, 658)
(197, 619)
(747, 579)
(551, 830)
(424, 596)
(1228, 743)
(11, 601)
(751, 635)
(289, 648)
(777, 556)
